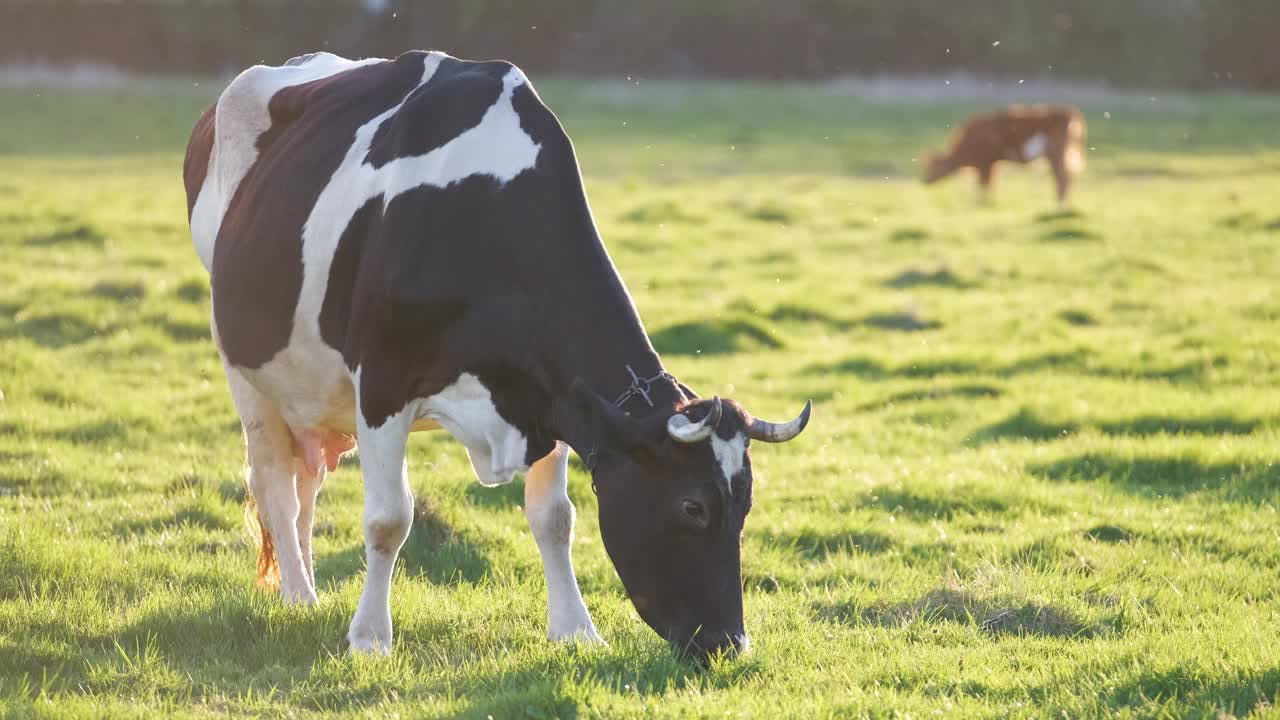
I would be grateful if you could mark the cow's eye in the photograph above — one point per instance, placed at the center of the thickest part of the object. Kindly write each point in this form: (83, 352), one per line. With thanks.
(694, 513)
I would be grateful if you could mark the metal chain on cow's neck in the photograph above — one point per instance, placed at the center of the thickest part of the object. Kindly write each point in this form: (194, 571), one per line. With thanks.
(639, 387)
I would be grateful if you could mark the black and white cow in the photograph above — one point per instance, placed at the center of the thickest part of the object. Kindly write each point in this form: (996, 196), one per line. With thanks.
(400, 245)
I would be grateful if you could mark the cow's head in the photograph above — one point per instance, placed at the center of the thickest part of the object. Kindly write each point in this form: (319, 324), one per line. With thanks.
(936, 167)
(674, 490)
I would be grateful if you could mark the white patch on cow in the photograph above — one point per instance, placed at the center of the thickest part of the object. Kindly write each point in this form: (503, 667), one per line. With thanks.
(497, 147)
(1034, 147)
(465, 408)
(731, 455)
(241, 117)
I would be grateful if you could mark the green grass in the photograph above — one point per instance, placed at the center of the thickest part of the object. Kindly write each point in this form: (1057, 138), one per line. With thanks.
(1041, 478)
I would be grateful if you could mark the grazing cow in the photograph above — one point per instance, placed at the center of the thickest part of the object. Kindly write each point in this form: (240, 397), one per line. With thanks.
(400, 245)
(1018, 134)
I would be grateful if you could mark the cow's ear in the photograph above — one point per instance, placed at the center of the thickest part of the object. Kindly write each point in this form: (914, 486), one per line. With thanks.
(605, 427)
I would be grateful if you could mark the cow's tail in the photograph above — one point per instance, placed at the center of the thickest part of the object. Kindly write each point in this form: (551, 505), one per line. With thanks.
(1075, 144)
(268, 567)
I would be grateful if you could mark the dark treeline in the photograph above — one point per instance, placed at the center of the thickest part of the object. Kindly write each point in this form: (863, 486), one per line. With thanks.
(1172, 43)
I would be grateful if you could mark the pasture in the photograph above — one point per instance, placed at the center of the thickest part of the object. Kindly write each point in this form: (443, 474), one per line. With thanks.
(1041, 478)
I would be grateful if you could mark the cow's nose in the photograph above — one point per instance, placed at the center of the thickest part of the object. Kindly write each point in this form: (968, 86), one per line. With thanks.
(725, 644)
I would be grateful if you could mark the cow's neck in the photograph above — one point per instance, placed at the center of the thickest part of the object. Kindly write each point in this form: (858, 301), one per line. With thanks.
(597, 339)
(602, 337)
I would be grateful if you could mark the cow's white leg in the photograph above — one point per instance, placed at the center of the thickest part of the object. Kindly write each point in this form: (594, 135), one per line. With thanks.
(269, 447)
(388, 513)
(550, 515)
(308, 484)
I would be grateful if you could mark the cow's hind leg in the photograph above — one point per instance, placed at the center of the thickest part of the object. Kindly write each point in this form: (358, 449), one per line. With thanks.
(388, 514)
(1061, 175)
(309, 480)
(551, 516)
(269, 447)
(986, 174)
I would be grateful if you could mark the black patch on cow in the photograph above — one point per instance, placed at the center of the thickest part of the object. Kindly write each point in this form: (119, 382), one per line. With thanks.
(285, 108)
(195, 167)
(434, 296)
(539, 122)
(335, 311)
(521, 400)
(455, 100)
(257, 264)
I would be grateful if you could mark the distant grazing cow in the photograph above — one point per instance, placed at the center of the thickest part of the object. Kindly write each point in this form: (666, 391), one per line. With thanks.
(1019, 134)
(399, 245)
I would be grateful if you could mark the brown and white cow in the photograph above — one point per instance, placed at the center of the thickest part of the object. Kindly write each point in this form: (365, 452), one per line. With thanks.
(400, 245)
(1018, 134)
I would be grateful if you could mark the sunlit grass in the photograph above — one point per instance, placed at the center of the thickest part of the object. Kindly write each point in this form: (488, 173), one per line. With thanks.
(1041, 477)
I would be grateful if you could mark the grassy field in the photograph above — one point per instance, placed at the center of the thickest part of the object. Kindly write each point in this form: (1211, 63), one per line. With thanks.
(1041, 478)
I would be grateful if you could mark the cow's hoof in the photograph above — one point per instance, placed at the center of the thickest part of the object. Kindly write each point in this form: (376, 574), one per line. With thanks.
(304, 599)
(585, 635)
(367, 644)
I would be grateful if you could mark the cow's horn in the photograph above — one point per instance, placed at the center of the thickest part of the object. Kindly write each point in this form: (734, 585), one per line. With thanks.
(779, 432)
(682, 429)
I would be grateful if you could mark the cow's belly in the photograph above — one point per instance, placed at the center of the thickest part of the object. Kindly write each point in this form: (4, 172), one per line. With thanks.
(311, 387)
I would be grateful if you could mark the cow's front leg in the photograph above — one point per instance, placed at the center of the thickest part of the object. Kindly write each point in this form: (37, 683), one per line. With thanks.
(550, 515)
(388, 513)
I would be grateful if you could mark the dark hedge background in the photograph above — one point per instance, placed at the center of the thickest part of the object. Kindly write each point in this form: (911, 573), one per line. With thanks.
(1168, 43)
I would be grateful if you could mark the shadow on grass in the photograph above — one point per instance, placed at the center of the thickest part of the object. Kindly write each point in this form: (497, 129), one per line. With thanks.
(1161, 476)
(186, 652)
(930, 394)
(658, 213)
(816, 545)
(1110, 534)
(712, 338)
(808, 315)
(1166, 424)
(924, 507)
(1079, 318)
(96, 432)
(52, 330)
(1028, 425)
(941, 277)
(119, 291)
(434, 550)
(543, 689)
(908, 235)
(905, 321)
(1056, 215)
(501, 497)
(181, 332)
(995, 616)
(1068, 234)
(1078, 361)
(190, 516)
(74, 235)
(193, 291)
(30, 473)
(1187, 691)
(1022, 425)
